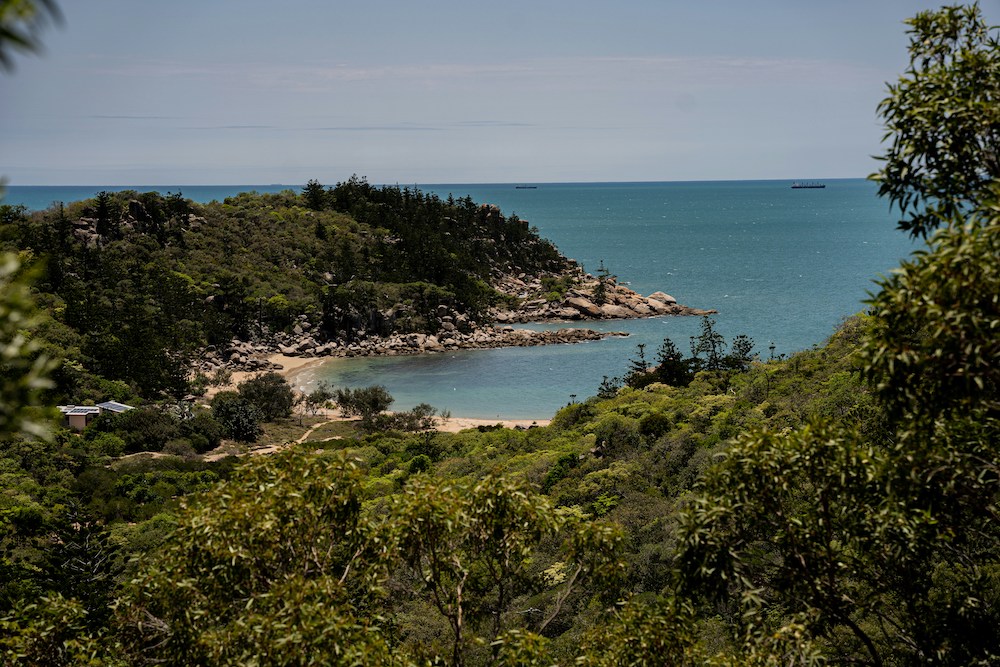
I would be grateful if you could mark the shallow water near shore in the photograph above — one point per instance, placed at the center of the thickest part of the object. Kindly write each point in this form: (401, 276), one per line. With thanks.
(780, 265)
(505, 383)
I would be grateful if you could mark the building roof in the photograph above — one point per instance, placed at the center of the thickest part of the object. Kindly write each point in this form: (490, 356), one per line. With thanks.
(79, 409)
(114, 406)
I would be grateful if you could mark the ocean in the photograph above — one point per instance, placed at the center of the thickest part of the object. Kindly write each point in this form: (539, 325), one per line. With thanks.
(783, 266)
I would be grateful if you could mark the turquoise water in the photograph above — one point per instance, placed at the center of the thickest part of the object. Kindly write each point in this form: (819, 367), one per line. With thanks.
(780, 265)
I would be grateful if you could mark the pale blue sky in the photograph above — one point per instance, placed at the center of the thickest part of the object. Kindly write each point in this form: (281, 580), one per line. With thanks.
(133, 92)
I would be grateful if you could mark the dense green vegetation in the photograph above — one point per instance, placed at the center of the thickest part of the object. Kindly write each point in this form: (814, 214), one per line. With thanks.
(942, 120)
(591, 503)
(139, 283)
(838, 506)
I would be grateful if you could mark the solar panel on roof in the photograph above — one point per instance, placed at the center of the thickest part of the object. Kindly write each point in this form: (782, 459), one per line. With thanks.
(114, 406)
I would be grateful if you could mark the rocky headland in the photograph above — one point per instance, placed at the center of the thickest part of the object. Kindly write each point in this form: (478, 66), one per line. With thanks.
(582, 297)
(553, 291)
(578, 298)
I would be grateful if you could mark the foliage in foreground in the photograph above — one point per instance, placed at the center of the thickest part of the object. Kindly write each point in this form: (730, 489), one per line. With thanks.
(942, 119)
(851, 517)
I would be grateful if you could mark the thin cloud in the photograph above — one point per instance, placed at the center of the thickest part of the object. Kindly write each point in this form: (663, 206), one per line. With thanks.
(233, 127)
(703, 70)
(402, 127)
(493, 123)
(130, 117)
(731, 70)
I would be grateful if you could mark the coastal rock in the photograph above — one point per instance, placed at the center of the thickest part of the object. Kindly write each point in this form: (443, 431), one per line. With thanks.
(584, 305)
(657, 307)
(255, 357)
(662, 298)
(613, 311)
(641, 309)
(537, 300)
(565, 313)
(578, 298)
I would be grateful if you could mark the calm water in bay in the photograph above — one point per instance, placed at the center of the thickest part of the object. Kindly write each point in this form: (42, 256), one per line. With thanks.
(780, 265)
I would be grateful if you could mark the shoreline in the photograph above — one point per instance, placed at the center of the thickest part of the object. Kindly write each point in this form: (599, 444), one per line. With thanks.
(282, 364)
(294, 354)
(292, 368)
(589, 300)
(456, 424)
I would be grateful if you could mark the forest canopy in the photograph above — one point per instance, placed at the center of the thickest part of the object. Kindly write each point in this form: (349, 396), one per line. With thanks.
(138, 284)
(838, 506)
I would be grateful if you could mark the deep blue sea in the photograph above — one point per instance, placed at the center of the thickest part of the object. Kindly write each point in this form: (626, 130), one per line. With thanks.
(783, 266)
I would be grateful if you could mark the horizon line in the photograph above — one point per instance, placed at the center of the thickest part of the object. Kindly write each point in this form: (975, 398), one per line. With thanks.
(8, 185)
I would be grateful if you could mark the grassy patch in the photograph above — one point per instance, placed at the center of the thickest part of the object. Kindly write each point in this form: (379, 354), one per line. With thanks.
(335, 429)
(287, 429)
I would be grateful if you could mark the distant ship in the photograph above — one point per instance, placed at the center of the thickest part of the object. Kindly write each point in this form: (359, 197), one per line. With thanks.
(525, 187)
(807, 186)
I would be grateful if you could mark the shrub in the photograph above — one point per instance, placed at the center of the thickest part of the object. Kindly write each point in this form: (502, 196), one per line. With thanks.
(239, 417)
(270, 394)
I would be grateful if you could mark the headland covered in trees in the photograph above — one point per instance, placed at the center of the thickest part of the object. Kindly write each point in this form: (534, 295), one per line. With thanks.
(156, 291)
(835, 507)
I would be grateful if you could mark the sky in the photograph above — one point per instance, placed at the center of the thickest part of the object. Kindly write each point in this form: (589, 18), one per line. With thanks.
(193, 92)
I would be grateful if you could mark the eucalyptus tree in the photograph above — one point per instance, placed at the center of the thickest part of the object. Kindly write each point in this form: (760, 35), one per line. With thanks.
(887, 550)
(943, 120)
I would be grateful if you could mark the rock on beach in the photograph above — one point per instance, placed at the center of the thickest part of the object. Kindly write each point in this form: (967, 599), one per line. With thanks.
(589, 298)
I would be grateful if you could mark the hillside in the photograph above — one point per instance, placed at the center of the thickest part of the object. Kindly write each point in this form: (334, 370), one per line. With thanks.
(148, 291)
(837, 505)
(613, 472)
(138, 284)
(841, 506)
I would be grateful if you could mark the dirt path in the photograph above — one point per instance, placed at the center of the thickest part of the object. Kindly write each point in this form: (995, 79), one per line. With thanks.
(317, 426)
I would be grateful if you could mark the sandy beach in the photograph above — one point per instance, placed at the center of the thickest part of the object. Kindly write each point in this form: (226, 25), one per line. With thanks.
(292, 367)
(456, 424)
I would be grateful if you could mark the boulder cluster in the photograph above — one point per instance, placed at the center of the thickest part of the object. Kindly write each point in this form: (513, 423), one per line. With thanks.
(588, 298)
(247, 356)
(133, 218)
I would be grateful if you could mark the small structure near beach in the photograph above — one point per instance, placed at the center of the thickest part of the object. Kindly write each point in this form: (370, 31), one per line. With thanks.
(77, 417)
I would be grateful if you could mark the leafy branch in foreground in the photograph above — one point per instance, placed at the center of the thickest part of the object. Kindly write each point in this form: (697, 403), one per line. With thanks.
(887, 548)
(21, 21)
(943, 119)
(23, 369)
